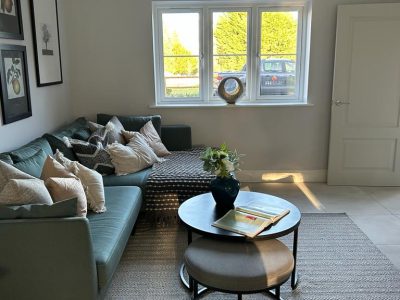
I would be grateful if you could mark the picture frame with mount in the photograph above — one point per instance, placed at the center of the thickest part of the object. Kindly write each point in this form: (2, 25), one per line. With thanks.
(15, 92)
(11, 20)
(46, 42)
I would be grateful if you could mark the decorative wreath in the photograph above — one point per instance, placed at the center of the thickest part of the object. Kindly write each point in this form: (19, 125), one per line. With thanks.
(230, 97)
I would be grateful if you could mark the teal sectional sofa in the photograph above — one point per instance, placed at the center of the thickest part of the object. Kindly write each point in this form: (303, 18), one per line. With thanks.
(74, 258)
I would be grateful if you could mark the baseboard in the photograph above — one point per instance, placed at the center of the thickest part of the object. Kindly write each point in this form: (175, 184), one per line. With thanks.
(282, 175)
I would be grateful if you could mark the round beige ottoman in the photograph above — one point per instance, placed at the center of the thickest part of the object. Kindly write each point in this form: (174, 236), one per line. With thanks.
(238, 267)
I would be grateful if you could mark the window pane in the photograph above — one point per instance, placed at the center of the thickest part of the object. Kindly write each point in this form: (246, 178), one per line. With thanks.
(278, 53)
(226, 66)
(230, 32)
(180, 33)
(184, 81)
(229, 46)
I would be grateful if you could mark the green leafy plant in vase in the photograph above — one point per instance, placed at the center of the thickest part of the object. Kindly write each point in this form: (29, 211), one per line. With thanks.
(222, 162)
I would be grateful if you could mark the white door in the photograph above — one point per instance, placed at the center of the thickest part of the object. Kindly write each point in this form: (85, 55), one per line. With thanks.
(365, 132)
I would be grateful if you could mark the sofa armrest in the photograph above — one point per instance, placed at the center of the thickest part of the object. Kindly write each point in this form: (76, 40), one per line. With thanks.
(176, 137)
(47, 259)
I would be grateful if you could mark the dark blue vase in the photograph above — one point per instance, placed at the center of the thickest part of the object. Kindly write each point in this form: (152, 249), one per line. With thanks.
(224, 191)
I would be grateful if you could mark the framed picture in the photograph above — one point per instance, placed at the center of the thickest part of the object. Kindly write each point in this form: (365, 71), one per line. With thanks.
(15, 94)
(46, 42)
(11, 20)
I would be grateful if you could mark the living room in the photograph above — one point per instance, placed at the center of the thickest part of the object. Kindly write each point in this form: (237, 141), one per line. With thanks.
(110, 64)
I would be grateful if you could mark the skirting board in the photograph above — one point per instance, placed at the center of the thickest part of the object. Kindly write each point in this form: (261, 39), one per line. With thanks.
(281, 175)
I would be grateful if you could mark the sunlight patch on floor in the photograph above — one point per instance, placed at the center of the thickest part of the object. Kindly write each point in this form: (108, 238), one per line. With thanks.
(298, 179)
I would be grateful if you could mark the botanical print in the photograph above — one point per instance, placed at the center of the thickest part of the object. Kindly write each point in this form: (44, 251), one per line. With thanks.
(14, 77)
(46, 39)
(7, 7)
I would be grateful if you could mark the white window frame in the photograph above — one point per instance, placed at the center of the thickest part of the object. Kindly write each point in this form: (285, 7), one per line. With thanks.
(254, 10)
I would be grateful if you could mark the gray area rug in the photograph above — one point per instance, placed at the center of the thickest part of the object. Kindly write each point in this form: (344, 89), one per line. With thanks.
(335, 261)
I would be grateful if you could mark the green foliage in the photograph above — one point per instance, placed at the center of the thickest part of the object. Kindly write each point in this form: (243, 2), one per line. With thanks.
(231, 38)
(278, 32)
(221, 162)
(178, 65)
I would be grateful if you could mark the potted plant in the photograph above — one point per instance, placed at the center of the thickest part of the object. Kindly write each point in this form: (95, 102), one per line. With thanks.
(222, 162)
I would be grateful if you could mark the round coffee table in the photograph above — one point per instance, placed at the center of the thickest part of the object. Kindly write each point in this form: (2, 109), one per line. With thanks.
(199, 213)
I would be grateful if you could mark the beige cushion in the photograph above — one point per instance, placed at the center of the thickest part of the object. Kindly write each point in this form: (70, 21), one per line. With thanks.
(117, 128)
(8, 172)
(25, 191)
(91, 180)
(152, 138)
(239, 267)
(126, 160)
(17, 187)
(66, 188)
(52, 168)
(133, 157)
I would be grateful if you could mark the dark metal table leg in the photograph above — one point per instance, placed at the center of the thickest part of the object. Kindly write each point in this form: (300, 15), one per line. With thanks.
(294, 279)
(189, 236)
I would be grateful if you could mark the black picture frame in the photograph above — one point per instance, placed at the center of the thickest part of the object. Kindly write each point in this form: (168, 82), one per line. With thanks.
(11, 20)
(15, 92)
(46, 42)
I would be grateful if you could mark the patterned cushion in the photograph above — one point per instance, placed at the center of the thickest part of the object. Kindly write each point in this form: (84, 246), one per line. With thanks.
(103, 135)
(25, 191)
(93, 156)
(112, 134)
(8, 172)
(17, 187)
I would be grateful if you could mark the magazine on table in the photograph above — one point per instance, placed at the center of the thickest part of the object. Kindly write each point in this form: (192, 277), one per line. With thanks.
(251, 219)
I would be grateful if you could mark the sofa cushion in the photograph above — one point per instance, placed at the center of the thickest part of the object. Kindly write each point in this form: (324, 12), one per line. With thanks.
(55, 139)
(25, 191)
(110, 230)
(132, 123)
(31, 149)
(114, 130)
(32, 165)
(58, 144)
(62, 189)
(91, 180)
(6, 158)
(134, 179)
(94, 157)
(62, 209)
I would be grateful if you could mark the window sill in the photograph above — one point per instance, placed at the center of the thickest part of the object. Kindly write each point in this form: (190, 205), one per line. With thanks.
(238, 105)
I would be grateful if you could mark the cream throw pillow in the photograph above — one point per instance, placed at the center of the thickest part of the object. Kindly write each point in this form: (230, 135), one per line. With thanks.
(152, 138)
(8, 172)
(133, 157)
(52, 168)
(17, 187)
(125, 159)
(91, 180)
(66, 188)
(25, 191)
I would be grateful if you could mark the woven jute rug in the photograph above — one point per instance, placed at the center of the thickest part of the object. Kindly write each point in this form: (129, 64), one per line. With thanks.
(335, 261)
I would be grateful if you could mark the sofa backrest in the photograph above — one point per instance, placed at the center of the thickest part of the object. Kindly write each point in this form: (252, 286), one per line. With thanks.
(132, 123)
(77, 129)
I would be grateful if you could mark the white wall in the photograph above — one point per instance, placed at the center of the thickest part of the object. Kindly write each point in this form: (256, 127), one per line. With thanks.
(51, 105)
(110, 45)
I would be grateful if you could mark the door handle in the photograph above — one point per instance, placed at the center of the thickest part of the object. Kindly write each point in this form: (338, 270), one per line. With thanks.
(339, 102)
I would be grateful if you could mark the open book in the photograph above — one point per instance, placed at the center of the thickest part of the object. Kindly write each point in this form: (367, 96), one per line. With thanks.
(250, 220)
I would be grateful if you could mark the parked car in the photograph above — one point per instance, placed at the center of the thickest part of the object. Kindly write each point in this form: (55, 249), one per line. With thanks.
(278, 76)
